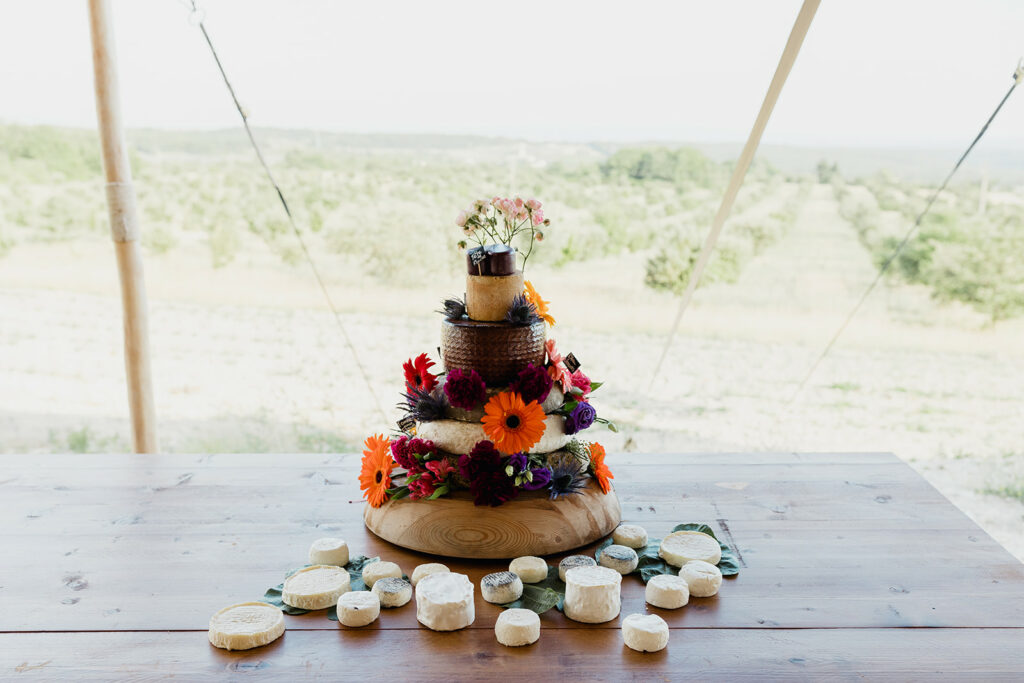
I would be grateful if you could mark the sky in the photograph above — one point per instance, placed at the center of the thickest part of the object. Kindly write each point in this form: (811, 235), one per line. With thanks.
(872, 73)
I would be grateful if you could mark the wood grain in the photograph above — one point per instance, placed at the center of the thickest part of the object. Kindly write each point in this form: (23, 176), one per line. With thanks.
(842, 555)
(532, 524)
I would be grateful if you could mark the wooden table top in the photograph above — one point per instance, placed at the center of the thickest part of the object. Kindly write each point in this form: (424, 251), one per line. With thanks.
(851, 566)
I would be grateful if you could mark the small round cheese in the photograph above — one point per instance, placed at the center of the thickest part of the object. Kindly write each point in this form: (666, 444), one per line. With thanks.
(375, 571)
(422, 570)
(680, 547)
(667, 591)
(316, 587)
(358, 608)
(620, 558)
(246, 625)
(645, 632)
(630, 535)
(332, 551)
(574, 561)
(444, 601)
(392, 591)
(517, 627)
(592, 594)
(530, 569)
(501, 587)
(703, 578)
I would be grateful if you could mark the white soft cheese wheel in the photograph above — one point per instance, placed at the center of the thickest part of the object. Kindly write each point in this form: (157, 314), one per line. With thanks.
(246, 625)
(422, 570)
(444, 601)
(316, 587)
(455, 436)
(375, 571)
(592, 594)
(501, 587)
(529, 568)
(645, 632)
(630, 535)
(392, 591)
(358, 608)
(329, 551)
(667, 591)
(680, 547)
(620, 558)
(574, 561)
(703, 578)
(517, 627)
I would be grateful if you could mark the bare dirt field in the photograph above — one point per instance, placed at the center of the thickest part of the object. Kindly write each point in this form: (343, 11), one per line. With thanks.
(248, 359)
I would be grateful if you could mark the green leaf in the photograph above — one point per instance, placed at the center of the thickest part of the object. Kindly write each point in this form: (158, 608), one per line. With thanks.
(729, 565)
(438, 492)
(594, 386)
(273, 596)
(402, 492)
(703, 528)
(332, 612)
(542, 596)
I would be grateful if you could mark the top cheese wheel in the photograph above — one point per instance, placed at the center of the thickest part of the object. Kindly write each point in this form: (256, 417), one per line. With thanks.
(680, 547)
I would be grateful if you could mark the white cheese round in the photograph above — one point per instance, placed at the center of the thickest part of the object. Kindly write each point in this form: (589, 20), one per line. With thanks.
(332, 551)
(375, 571)
(630, 535)
(392, 591)
(444, 601)
(316, 587)
(703, 578)
(517, 627)
(454, 436)
(501, 587)
(667, 591)
(645, 632)
(529, 568)
(422, 570)
(358, 608)
(680, 547)
(246, 625)
(574, 561)
(620, 558)
(592, 594)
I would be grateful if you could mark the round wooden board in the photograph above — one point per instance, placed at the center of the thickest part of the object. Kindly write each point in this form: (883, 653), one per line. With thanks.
(532, 524)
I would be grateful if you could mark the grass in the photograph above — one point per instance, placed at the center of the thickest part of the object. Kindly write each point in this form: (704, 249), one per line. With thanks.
(1014, 491)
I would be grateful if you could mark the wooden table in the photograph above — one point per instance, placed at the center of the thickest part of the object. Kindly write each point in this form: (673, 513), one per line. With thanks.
(853, 567)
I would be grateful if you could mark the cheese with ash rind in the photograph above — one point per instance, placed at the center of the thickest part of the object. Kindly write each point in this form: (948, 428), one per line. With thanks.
(620, 558)
(703, 578)
(501, 587)
(444, 601)
(630, 535)
(680, 547)
(574, 561)
(667, 591)
(375, 571)
(246, 625)
(529, 568)
(392, 591)
(423, 570)
(592, 594)
(358, 608)
(517, 627)
(316, 587)
(331, 551)
(645, 632)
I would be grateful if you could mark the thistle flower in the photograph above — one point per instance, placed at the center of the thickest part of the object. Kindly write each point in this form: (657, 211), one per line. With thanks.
(522, 312)
(453, 308)
(424, 406)
(566, 478)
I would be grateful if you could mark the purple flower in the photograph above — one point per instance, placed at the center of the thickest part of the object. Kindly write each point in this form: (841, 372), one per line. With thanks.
(532, 383)
(541, 478)
(581, 417)
(465, 390)
(518, 462)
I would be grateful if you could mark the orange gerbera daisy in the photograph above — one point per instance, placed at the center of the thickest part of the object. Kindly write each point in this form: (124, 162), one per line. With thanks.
(542, 306)
(375, 477)
(599, 469)
(513, 426)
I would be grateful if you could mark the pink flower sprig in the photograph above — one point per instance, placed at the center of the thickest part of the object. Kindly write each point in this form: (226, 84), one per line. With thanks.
(499, 220)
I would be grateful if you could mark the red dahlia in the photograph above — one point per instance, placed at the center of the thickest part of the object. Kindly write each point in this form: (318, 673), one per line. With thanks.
(418, 375)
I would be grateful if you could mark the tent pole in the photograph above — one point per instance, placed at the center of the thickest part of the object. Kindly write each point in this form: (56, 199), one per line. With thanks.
(124, 227)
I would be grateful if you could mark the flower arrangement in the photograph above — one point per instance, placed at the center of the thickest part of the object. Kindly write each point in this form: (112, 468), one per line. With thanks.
(499, 220)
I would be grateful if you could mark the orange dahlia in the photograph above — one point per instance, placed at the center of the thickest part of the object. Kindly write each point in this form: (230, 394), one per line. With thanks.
(542, 306)
(513, 426)
(375, 477)
(599, 469)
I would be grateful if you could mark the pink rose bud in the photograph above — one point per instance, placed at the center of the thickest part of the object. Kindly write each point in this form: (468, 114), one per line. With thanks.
(532, 204)
(538, 217)
(519, 202)
(460, 220)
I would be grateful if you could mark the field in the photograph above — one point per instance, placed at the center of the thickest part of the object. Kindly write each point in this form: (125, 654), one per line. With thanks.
(247, 357)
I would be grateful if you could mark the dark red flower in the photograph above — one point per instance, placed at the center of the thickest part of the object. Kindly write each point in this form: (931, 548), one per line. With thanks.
(465, 390)
(418, 375)
(532, 384)
(484, 469)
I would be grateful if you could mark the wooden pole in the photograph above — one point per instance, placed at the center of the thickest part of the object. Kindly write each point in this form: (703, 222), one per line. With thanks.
(124, 227)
